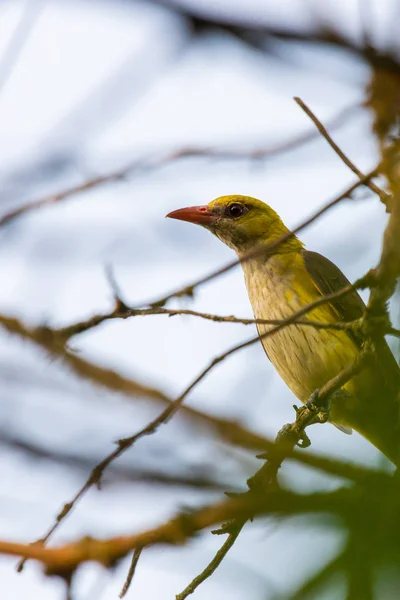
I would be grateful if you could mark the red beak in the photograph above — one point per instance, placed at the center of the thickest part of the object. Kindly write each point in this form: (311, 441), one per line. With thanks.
(199, 215)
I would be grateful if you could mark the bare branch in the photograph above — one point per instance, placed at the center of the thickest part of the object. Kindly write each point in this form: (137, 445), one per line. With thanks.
(213, 565)
(175, 531)
(385, 198)
(131, 572)
(60, 196)
(161, 159)
(127, 312)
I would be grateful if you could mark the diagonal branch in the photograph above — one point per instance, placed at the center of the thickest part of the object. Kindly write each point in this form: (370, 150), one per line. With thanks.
(214, 563)
(160, 160)
(384, 196)
(131, 573)
(176, 531)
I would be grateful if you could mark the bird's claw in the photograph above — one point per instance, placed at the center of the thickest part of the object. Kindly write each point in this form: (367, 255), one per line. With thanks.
(320, 407)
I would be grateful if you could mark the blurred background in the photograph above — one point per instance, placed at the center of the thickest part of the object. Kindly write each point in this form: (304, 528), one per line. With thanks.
(88, 88)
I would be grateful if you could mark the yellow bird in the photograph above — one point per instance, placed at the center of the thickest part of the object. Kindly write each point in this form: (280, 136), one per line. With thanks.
(280, 283)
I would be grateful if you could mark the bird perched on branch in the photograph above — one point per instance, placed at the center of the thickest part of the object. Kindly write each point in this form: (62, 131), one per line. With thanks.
(282, 278)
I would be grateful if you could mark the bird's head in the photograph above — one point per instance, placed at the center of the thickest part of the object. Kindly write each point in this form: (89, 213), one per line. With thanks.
(241, 222)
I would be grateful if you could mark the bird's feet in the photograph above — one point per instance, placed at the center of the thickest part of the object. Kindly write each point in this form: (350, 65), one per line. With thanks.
(320, 407)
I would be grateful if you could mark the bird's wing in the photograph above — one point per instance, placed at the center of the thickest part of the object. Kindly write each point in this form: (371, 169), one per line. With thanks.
(329, 279)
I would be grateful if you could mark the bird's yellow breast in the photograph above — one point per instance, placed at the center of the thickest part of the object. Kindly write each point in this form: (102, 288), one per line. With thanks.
(305, 357)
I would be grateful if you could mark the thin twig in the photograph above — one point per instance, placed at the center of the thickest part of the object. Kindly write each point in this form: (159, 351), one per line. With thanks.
(384, 196)
(179, 529)
(131, 572)
(76, 328)
(213, 565)
(124, 313)
(60, 196)
(161, 159)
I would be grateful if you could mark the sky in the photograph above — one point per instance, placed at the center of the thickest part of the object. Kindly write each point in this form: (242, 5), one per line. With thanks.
(97, 85)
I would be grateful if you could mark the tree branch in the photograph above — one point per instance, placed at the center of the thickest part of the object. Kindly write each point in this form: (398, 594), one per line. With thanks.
(385, 198)
(126, 312)
(176, 531)
(161, 159)
(131, 573)
(213, 565)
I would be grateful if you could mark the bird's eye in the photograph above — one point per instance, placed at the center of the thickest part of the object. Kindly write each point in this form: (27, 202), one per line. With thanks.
(236, 210)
